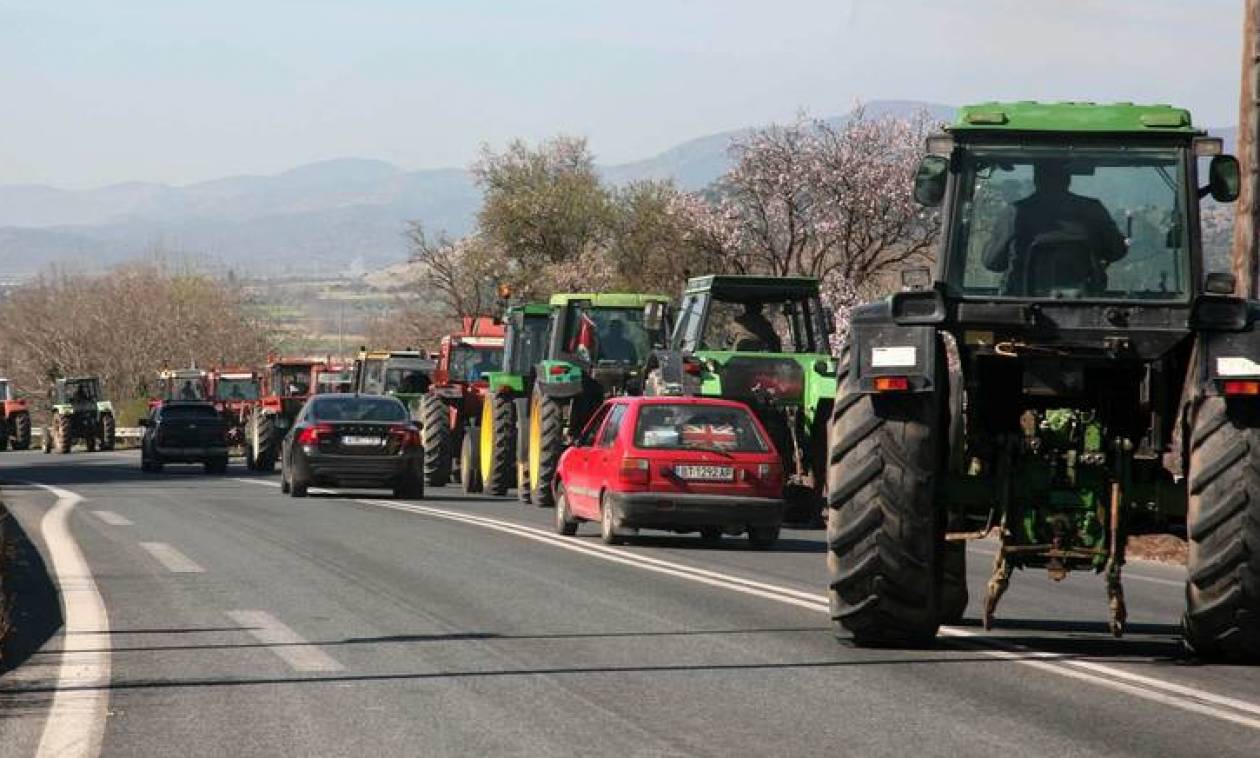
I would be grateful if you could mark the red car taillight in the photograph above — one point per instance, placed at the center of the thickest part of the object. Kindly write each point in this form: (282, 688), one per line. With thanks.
(634, 471)
(407, 435)
(311, 435)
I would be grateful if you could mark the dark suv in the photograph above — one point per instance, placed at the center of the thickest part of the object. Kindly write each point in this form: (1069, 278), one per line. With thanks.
(184, 432)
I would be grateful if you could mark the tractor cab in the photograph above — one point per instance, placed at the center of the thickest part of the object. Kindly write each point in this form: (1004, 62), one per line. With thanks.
(6, 391)
(233, 386)
(334, 378)
(405, 374)
(183, 384)
(606, 337)
(471, 354)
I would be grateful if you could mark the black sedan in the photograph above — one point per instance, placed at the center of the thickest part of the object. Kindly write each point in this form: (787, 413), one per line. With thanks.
(342, 440)
(184, 432)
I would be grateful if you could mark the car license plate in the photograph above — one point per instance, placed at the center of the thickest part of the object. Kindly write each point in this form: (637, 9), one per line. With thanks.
(705, 473)
(351, 440)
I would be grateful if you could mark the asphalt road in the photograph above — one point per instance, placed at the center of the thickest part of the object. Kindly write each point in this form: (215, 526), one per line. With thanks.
(233, 620)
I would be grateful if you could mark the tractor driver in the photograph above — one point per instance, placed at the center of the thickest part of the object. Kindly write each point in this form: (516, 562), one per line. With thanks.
(80, 394)
(1052, 212)
(187, 392)
(753, 332)
(615, 347)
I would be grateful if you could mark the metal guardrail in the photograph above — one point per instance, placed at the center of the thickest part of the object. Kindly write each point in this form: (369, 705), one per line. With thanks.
(122, 432)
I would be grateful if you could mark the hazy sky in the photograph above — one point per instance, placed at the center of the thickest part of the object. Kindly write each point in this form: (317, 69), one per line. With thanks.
(164, 90)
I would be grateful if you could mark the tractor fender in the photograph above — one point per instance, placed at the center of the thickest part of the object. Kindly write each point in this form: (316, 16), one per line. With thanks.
(1226, 356)
(560, 389)
(882, 348)
(522, 429)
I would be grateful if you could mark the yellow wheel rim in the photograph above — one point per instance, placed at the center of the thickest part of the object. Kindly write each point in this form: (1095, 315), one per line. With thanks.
(535, 441)
(487, 438)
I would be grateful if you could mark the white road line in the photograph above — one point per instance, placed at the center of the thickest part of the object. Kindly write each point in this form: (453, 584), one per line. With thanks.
(1190, 699)
(287, 644)
(111, 518)
(172, 559)
(76, 719)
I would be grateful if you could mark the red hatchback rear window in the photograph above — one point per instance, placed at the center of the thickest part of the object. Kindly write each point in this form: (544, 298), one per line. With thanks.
(697, 427)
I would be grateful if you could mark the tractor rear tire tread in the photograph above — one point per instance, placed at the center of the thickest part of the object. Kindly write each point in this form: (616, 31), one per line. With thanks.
(882, 530)
(503, 445)
(21, 431)
(108, 429)
(435, 433)
(551, 432)
(1222, 617)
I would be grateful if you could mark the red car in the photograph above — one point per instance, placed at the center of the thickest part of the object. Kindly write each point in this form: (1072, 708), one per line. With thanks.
(682, 464)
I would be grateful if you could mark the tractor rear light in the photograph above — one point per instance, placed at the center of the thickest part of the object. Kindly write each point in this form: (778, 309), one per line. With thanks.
(1235, 387)
(558, 370)
(312, 435)
(634, 471)
(692, 367)
(891, 384)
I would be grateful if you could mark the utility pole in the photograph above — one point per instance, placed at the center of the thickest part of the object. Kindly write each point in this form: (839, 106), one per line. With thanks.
(1246, 251)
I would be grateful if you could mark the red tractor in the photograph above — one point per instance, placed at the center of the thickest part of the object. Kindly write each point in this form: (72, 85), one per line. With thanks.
(286, 385)
(235, 392)
(16, 419)
(455, 397)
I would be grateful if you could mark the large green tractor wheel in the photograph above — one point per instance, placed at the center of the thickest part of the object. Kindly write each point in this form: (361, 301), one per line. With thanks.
(1222, 617)
(21, 431)
(883, 535)
(62, 431)
(435, 432)
(498, 444)
(546, 443)
(264, 443)
(108, 430)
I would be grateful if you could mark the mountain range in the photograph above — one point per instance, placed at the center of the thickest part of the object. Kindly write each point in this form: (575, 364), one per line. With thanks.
(325, 217)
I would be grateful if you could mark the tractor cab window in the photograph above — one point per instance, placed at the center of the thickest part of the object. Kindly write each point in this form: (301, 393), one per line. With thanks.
(762, 325)
(373, 381)
(292, 381)
(406, 377)
(470, 363)
(527, 345)
(185, 388)
(610, 335)
(334, 381)
(81, 392)
(6, 392)
(238, 389)
(1071, 223)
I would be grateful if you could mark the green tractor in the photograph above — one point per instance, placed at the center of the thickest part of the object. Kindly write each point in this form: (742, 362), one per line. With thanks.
(78, 413)
(764, 341)
(405, 374)
(1072, 369)
(598, 346)
(492, 454)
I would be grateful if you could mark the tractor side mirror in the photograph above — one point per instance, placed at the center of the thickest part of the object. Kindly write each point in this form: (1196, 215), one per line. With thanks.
(929, 180)
(1219, 283)
(829, 319)
(653, 316)
(1224, 178)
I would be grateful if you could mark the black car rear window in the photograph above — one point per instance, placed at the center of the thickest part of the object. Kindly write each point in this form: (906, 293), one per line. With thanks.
(358, 409)
(189, 411)
(697, 427)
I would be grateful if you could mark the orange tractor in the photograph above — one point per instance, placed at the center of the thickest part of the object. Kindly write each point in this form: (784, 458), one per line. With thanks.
(16, 419)
(455, 397)
(287, 383)
(235, 392)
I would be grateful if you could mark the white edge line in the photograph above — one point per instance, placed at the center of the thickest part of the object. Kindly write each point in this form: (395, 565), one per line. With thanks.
(76, 717)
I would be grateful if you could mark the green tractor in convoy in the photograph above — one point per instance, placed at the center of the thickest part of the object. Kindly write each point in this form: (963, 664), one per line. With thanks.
(764, 341)
(405, 374)
(492, 454)
(78, 413)
(597, 345)
(1072, 368)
